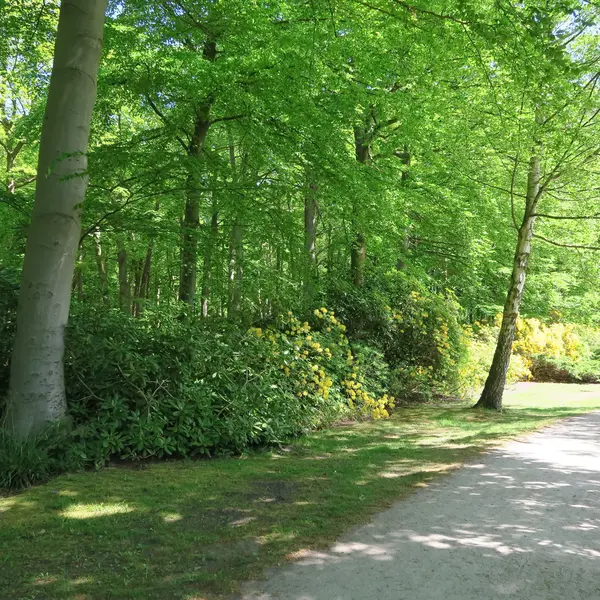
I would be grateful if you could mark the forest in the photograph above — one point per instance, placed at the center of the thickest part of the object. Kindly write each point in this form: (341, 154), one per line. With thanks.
(225, 224)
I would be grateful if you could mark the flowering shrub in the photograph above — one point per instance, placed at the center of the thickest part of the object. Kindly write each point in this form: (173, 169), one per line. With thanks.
(321, 364)
(481, 345)
(541, 352)
(136, 391)
(417, 331)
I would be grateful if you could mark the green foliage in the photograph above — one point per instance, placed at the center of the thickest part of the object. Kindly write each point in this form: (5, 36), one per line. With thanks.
(543, 352)
(37, 458)
(136, 391)
(417, 331)
(8, 313)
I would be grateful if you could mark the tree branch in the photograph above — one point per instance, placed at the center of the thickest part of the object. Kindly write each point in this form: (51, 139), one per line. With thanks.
(573, 246)
(164, 119)
(566, 217)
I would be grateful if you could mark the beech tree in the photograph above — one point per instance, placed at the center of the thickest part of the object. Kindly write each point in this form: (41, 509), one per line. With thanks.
(37, 391)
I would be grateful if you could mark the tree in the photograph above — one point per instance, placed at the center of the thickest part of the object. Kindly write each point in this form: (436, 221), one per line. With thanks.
(37, 393)
(564, 99)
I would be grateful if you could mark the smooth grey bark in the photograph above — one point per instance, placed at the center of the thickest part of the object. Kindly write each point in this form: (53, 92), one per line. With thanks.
(236, 240)
(493, 391)
(100, 265)
(236, 268)
(37, 389)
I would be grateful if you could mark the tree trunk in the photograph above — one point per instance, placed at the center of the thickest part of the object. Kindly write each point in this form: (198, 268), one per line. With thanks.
(101, 266)
(491, 396)
(208, 255)
(37, 389)
(358, 258)
(311, 213)
(145, 285)
(236, 268)
(363, 137)
(190, 223)
(405, 157)
(124, 295)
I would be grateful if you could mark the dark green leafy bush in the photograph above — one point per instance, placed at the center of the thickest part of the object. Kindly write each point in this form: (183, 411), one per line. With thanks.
(418, 332)
(565, 369)
(36, 458)
(166, 387)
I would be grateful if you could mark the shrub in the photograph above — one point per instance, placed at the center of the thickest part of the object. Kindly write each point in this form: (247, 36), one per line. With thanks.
(37, 458)
(136, 391)
(417, 331)
(558, 352)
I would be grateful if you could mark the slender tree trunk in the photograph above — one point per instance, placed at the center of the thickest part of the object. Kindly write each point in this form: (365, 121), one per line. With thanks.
(124, 292)
(208, 256)
(101, 266)
(311, 212)
(236, 242)
(358, 251)
(358, 258)
(491, 396)
(405, 157)
(138, 268)
(145, 284)
(37, 389)
(236, 268)
(190, 223)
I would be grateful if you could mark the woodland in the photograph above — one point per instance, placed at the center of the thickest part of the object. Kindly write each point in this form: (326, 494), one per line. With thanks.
(228, 223)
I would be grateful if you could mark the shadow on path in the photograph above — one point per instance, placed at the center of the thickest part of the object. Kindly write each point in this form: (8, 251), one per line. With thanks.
(522, 523)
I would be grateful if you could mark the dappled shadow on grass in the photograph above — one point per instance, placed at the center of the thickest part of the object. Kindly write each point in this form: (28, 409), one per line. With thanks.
(194, 529)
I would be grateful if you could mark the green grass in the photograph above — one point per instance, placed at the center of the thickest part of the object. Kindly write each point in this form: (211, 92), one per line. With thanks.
(197, 530)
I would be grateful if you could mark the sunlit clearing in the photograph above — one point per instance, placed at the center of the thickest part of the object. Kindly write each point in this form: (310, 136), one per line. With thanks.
(91, 511)
(171, 517)
(82, 580)
(8, 503)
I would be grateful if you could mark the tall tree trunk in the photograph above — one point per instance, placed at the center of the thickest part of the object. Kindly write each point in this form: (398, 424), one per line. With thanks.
(208, 255)
(190, 223)
(358, 258)
(37, 388)
(236, 268)
(138, 268)
(145, 284)
(236, 242)
(124, 291)
(491, 396)
(101, 266)
(311, 213)
(363, 137)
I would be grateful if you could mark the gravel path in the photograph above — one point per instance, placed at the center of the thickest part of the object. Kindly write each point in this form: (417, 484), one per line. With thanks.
(522, 524)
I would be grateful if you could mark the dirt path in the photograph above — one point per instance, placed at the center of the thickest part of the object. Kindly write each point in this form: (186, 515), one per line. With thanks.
(522, 524)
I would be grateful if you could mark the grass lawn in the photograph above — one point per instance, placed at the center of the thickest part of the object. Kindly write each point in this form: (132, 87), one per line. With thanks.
(197, 529)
